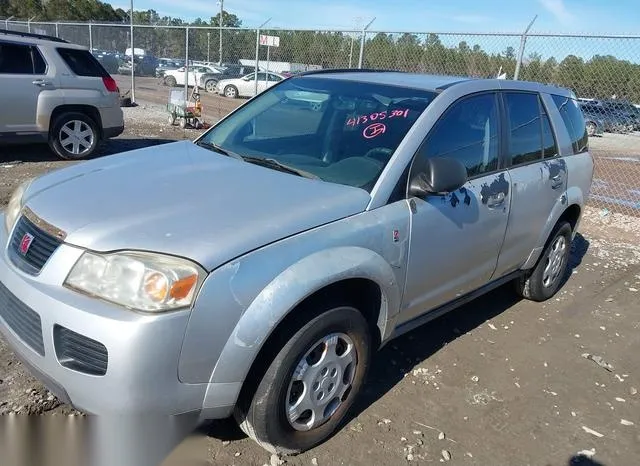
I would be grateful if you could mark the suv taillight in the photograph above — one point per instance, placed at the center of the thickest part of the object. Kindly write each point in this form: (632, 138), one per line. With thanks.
(110, 84)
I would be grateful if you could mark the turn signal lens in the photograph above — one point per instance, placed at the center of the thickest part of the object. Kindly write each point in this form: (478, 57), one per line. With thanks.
(182, 287)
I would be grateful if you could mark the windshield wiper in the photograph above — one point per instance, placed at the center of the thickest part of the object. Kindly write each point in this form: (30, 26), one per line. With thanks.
(215, 147)
(271, 163)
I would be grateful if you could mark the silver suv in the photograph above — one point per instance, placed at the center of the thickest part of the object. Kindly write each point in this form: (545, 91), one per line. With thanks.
(56, 92)
(256, 271)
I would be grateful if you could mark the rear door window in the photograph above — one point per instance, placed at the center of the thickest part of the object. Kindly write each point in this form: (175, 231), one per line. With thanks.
(530, 134)
(574, 121)
(21, 59)
(525, 127)
(82, 63)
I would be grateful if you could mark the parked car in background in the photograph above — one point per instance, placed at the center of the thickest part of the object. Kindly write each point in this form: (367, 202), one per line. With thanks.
(56, 92)
(245, 86)
(593, 120)
(167, 64)
(144, 65)
(626, 110)
(177, 77)
(403, 198)
(208, 81)
(612, 120)
(108, 60)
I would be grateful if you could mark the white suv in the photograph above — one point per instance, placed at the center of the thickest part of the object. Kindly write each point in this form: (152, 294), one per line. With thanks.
(56, 92)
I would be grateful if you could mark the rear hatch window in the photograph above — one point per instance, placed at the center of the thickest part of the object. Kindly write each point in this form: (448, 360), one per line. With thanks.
(82, 63)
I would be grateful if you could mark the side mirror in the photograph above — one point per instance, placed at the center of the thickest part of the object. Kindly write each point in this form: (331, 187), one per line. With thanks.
(439, 176)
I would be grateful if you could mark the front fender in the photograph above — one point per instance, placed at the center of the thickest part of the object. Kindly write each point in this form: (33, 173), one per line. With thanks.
(291, 287)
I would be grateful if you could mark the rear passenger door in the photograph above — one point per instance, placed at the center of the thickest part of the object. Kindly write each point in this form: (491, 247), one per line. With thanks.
(456, 239)
(24, 75)
(538, 176)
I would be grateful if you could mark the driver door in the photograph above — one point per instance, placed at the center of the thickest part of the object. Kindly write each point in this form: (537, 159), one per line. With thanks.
(456, 239)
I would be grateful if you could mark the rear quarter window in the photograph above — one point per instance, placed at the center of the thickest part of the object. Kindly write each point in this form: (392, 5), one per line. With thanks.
(574, 121)
(82, 63)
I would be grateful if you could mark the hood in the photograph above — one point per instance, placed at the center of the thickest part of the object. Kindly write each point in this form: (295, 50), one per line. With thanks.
(184, 200)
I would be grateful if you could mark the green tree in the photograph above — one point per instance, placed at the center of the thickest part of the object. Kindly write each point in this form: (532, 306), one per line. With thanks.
(228, 20)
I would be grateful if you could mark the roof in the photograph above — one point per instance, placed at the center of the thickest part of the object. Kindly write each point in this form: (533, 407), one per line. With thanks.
(38, 39)
(396, 78)
(430, 82)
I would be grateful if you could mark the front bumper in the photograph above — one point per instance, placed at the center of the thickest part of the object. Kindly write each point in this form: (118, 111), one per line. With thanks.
(143, 350)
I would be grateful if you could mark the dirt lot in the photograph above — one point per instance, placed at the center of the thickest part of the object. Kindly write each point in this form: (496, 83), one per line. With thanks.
(497, 382)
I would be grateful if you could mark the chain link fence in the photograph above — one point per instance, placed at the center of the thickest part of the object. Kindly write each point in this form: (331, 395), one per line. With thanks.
(603, 71)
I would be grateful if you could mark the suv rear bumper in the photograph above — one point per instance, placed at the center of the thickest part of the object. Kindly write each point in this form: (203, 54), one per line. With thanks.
(108, 133)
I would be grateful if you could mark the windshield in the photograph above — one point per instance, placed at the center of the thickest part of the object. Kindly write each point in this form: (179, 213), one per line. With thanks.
(340, 131)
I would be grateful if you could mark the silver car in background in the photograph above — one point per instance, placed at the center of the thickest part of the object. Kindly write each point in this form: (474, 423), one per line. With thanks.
(55, 92)
(256, 271)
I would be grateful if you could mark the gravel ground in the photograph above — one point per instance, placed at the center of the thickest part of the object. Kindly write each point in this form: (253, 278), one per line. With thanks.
(498, 381)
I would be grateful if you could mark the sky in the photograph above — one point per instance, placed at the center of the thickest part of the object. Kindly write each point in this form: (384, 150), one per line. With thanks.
(566, 16)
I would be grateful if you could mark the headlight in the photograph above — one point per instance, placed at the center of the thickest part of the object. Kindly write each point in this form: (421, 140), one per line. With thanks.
(141, 281)
(15, 205)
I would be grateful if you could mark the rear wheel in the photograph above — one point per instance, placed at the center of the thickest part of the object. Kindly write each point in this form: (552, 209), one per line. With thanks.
(591, 128)
(545, 279)
(310, 384)
(210, 86)
(74, 136)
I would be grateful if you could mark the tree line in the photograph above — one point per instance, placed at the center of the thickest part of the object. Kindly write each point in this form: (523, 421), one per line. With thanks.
(600, 76)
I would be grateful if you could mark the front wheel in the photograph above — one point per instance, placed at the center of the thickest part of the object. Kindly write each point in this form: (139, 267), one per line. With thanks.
(170, 81)
(310, 384)
(231, 92)
(591, 128)
(544, 280)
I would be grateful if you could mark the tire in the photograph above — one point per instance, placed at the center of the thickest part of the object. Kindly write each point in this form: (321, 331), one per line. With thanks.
(591, 128)
(264, 415)
(544, 280)
(170, 81)
(183, 123)
(72, 124)
(172, 119)
(210, 86)
(231, 92)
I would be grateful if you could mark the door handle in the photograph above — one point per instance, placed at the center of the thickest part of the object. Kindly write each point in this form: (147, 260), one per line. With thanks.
(41, 83)
(557, 182)
(495, 200)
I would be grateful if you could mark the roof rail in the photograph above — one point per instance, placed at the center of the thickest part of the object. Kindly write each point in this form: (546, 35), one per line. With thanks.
(33, 36)
(347, 70)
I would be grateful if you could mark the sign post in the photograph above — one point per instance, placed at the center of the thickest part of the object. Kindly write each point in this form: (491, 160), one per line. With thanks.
(269, 41)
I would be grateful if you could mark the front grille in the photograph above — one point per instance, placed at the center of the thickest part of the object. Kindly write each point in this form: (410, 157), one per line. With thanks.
(24, 321)
(79, 353)
(42, 246)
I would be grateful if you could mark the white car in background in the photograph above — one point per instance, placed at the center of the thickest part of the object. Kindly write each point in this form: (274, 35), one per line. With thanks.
(174, 78)
(245, 86)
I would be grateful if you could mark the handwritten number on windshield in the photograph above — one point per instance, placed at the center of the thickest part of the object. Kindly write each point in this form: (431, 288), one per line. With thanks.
(377, 116)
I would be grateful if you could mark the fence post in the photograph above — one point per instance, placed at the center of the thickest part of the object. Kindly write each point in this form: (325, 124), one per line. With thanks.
(255, 71)
(220, 23)
(186, 65)
(255, 76)
(133, 61)
(90, 38)
(362, 42)
(57, 33)
(523, 42)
